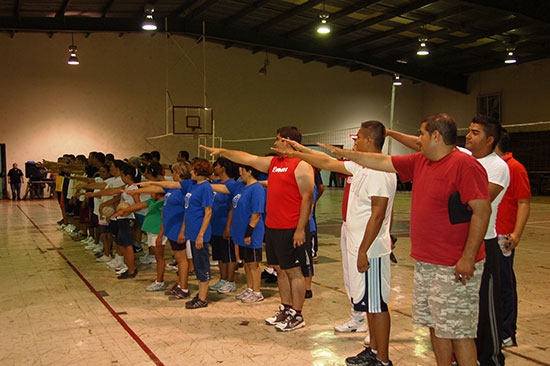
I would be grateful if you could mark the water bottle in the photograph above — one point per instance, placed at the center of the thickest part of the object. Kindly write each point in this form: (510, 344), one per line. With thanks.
(504, 243)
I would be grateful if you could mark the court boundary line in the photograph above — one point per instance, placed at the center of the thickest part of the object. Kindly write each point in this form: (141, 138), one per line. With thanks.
(92, 289)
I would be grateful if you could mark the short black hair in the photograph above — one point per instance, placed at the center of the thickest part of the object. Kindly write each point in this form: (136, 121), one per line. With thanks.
(155, 169)
(147, 156)
(505, 143)
(99, 156)
(377, 132)
(109, 157)
(155, 155)
(291, 133)
(491, 126)
(230, 168)
(184, 154)
(134, 173)
(443, 123)
(255, 173)
(119, 164)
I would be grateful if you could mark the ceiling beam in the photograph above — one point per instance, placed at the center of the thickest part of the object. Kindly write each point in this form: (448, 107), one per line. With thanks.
(381, 18)
(186, 4)
(407, 27)
(535, 10)
(244, 12)
(107, 8)
(339, 14)
(287, 14)
(61, 12)
(200, 10)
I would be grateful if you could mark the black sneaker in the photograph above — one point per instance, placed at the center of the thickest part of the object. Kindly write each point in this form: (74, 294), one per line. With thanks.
(271, 278)
(196, 303)
(265, 274)
(126, 275)
(173, 290)
(392, 258)
(363, 358)
(309, 294)
(179, 294)
(293, 322)
(137, 249)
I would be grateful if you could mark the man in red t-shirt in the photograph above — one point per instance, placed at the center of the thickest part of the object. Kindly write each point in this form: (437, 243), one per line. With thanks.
(450, 211)
(512, 216)
(289, 202)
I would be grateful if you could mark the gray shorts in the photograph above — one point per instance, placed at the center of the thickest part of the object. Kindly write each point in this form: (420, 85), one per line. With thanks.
(443, 304)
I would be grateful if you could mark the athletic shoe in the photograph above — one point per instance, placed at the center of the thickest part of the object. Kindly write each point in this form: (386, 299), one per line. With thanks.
(126, 275)
(264, 274)
(156, 286)
(137, 249)
(278, 318)
(227, 287)
(244, 294)
(218, 284)
(69, 228)
(180, 294)
(60, 222)
(86, 240)
(309, 294)
(90, 246)
(173, 290)
(508, 342)
(253, 297)
(351, 325)
(271, 278)
(196, 303)
(61, 227)
(392, 258)
(120, 270)
(148, 259)
(173, 266)
(104, 258)
(363, 358)
(116, 262)
(293, 322)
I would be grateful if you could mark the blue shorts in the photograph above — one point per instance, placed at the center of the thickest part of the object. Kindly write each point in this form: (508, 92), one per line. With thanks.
(201, 261)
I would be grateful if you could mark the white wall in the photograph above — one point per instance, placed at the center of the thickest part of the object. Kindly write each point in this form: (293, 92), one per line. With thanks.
(116, 96)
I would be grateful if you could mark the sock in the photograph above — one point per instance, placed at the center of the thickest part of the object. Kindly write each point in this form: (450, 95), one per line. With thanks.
(298, 312)
(383, 363)
(374, 351)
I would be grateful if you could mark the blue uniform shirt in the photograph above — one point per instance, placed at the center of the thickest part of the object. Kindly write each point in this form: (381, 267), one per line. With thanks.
(221, 207)
(246, 201)
(172, 213)
(198, 197)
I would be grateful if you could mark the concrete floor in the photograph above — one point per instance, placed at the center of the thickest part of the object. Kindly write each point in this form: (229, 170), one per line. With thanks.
(60, 307)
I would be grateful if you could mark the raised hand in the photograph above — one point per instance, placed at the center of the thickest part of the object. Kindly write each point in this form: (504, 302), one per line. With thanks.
(214, 151)
(285, 153)
(336, 151)
(296, 145)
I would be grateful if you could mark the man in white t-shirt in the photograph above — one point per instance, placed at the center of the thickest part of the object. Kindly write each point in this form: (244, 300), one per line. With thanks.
(481, 140)
(368, 241)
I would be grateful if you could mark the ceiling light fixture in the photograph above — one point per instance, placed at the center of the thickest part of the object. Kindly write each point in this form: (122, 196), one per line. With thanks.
(73, 60)
(423, 49)
(510, 57)
(263, 70)
(397, 80)
(149, 22)
(323, 28)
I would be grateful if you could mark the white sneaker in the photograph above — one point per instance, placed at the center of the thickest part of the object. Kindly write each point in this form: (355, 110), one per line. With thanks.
(218, 284)
(104, 258)
(253, 297)
(61, 227)
(244, 294)
(70, 228)
(118, 261)
(351, 325)
(148, 259)
(98, 248)
(156, 286)
(90, 246)
(122, 269)
(227, 287)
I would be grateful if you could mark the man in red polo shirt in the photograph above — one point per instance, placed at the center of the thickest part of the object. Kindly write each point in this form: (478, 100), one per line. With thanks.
(450, 211)
(289, 202)
(512, 216)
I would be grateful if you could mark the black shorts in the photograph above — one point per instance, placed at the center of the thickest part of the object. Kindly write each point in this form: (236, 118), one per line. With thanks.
(249, 254)
(58, 195)
(104, 229)
(95, 220)
(176, 247)
(280, 250)
(125, 237)
(113, 228)
(223, 249)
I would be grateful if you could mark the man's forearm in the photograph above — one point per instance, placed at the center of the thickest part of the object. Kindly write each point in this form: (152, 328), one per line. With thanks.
(476, 233)
(305, 211)
(322, 161)
(524, 207)
(374, 161)
(409, 141)
(373, 228)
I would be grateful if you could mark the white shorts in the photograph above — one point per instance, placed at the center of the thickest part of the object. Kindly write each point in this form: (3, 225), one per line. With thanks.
(152, 240)
(369, 291)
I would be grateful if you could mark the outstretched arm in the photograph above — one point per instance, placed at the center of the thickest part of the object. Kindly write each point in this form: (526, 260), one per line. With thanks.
(149, 189)
(409, 141)
(220, 188)
(376, 161)
(321, 161)
(260, 163)
(160, 183)
(128, 210)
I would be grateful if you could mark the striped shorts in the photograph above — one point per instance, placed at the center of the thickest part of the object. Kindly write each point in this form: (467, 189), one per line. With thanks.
(370, 290)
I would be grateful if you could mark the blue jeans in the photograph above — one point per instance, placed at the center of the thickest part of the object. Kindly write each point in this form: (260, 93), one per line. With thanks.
(15, 190)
